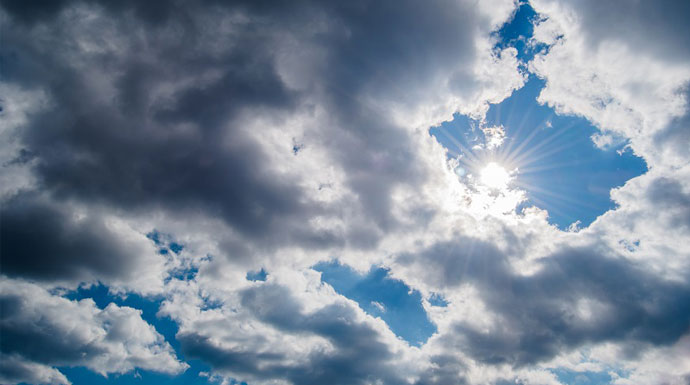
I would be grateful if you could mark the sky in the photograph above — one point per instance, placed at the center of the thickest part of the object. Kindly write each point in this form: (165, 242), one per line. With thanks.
(363, 192)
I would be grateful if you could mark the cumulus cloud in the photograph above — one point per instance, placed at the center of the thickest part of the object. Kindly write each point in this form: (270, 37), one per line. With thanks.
(291, 328)
(602, 66)
(180, 116)
(41, 331)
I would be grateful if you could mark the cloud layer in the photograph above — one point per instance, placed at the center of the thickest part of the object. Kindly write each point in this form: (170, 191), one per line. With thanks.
(277, 135)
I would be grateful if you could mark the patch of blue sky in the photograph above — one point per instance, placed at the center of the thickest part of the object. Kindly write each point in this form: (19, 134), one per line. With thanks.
(555, 160)
(167, 244)
(257, 275)
(571, 377)
(382, 296)
(184, 274)
(517, 31)
(156, 237)
(557, 163)
(175, 247)
(83, 376)
(437, 300)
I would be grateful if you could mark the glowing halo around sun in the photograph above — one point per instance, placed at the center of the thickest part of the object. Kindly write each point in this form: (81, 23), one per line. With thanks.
(494, 176)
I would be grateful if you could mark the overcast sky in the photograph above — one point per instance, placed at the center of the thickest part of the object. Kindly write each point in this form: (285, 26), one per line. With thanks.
(345, 192)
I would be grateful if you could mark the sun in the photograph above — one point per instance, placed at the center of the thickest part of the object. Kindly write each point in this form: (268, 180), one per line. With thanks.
(494, 176)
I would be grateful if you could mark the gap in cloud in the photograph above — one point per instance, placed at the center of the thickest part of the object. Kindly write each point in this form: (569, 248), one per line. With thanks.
(556, 161)
(560, 167)
(438, 300)
(517, 32)
(168, 246)
(260, 275)
(552, 158)
(382, 296)
(84, 376)
(572, 377)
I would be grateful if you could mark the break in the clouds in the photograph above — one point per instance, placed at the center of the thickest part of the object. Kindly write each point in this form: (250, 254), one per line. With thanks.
(363, 192)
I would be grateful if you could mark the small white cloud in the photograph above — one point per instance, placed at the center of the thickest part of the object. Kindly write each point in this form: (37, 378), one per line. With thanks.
(602, 141)
(379, 306)
(494, 136)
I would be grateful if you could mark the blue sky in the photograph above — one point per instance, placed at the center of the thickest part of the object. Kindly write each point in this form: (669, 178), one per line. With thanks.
(560, 167)
(557, 171)
(254, 193)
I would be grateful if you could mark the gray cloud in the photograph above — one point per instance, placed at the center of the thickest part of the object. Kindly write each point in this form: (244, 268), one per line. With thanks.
(538, 314)
(360, 353)
(45, 241)
(125, 151)
(14, 369)
(669, 195)
(445, 369)
(648, 26)
(157, 107)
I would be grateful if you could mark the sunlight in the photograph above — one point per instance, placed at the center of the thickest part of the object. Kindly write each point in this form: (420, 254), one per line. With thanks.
(494, 176)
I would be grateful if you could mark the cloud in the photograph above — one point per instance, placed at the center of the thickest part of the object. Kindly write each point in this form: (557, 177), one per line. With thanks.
(50, 242)
(14, 369)
(575, 296)
(180, 121)
(290, 329)
(270, 136)
(40, 331)
(601, 65)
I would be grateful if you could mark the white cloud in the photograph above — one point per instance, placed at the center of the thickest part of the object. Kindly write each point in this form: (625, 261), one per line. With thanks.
(289, 329)
(613, 76)
(41, 330)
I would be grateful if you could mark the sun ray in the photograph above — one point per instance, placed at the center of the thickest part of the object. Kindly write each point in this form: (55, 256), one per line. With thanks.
(519, 157)
(525, 169)
(464, 150)
(551, 193)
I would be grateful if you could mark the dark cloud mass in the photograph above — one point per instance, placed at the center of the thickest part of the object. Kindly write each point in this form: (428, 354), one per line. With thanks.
(578, 296)
(44, 241)
(153, 106)
(649, 25)
(189, 150)
(359, 355)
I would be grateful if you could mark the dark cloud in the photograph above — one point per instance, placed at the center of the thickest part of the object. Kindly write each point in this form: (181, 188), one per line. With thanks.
(14, 370)
(190, 151)
(44, 241)
(539, 316)
(33, 11)
(446, 369)
(360, 354)
(648, 26)
(675, 137)
(38, 341)
(154, 11)
(669, 195)
(450, 264)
